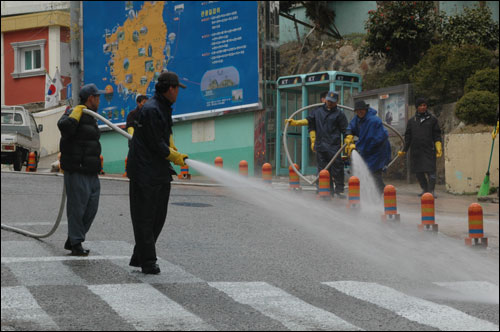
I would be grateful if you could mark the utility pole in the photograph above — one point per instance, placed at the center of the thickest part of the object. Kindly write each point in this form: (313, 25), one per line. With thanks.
(75, 50)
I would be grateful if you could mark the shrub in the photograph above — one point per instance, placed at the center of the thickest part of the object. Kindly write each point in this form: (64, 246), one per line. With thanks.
(483, 80)
(478, 107)
(474, 26)
(401, 30)
(443, 71)
(463, 62)
(428, 76)
(397, 76)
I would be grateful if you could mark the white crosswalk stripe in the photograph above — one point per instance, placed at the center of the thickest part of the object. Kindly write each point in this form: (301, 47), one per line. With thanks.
(412, 308)
(147, 302)
(170, 273)
(19, 305)
(148, 309)
(275, 303)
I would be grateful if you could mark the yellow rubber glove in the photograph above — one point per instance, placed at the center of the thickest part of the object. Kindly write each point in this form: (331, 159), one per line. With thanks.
(494, 133)
(171, 143)
(77, 112)
(176, 157)
(295, 123)
(130, 130)
(439, 149)
(312, 134)
(401, 153)
(348, 140)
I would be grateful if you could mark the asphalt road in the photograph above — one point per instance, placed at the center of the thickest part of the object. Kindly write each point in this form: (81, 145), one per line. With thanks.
(231, 264)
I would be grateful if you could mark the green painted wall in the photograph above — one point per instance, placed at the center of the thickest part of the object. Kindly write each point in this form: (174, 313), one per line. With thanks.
(233, 141)
(114, 151)
(350, 18)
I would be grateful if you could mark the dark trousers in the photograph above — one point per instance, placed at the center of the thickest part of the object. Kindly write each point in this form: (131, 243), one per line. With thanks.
(426, 185)
(148, 208)
(82, 192)
(336, 170)
(379, 181)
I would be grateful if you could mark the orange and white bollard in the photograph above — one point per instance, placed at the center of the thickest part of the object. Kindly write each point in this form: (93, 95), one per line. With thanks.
(354, 201)
(390, 204)
(184, 173)
(218, 162)
(324, 185)
(294, 181)
(125, 174)
(31, 167)
(428, 214)
(244, 168)
(476, 233)
(267, 173)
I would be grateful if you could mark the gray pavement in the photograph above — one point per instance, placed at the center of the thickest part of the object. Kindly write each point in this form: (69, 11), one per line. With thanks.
(451, 210)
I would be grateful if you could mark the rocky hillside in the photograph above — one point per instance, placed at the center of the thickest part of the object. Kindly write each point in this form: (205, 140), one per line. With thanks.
(318, 55)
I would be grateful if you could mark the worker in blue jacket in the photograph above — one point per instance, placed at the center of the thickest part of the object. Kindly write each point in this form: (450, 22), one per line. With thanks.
(373, 143)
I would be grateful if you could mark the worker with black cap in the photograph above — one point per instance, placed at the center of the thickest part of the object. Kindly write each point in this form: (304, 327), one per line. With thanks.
(326, 125)
(151, 150)
(373, 143)
(80, 160)
(423, 137)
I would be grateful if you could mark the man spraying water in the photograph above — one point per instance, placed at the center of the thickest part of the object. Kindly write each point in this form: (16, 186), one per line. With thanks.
(373, 144)
(151, 150)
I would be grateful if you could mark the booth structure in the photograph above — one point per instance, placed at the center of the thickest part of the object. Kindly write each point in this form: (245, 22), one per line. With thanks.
(298, 91)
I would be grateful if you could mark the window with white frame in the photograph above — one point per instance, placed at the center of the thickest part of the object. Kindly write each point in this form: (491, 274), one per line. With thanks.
(29, 58)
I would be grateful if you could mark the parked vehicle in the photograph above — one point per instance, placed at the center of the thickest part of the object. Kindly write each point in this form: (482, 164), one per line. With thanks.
(20, 136)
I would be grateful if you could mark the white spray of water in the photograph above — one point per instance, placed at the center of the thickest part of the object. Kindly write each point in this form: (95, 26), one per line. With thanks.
(398, 249)
(369, 194)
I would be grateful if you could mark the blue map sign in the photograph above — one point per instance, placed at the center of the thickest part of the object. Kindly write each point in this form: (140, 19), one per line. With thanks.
(211, 45)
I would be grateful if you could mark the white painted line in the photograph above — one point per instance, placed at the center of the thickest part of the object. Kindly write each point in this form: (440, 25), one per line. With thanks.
(146, 308)
(10, 260)
(19, 306)
(412, 308)
(279, 305)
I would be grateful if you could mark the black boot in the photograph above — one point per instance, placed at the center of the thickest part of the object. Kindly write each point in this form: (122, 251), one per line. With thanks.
(67, 244)
(77, 250)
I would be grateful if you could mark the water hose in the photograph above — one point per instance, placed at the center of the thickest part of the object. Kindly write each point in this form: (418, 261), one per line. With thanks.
(285, 130)
(63, 198)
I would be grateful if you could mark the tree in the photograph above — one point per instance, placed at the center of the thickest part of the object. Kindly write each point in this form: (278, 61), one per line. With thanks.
(475, 26)
(401, 31)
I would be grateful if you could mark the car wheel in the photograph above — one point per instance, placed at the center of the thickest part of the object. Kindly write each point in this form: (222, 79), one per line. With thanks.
(18, 161)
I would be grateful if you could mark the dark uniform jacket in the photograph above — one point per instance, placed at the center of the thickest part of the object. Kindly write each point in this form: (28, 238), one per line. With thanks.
(329, 126)
(79, 145)
(150, 143)
(422, 131)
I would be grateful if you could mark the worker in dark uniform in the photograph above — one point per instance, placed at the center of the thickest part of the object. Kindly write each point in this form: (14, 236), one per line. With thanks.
(150, 172)
(81, 163)
(423, 138)
(327, 124)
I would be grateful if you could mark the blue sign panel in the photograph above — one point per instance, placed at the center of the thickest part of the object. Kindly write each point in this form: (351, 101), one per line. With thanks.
(211, 45)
